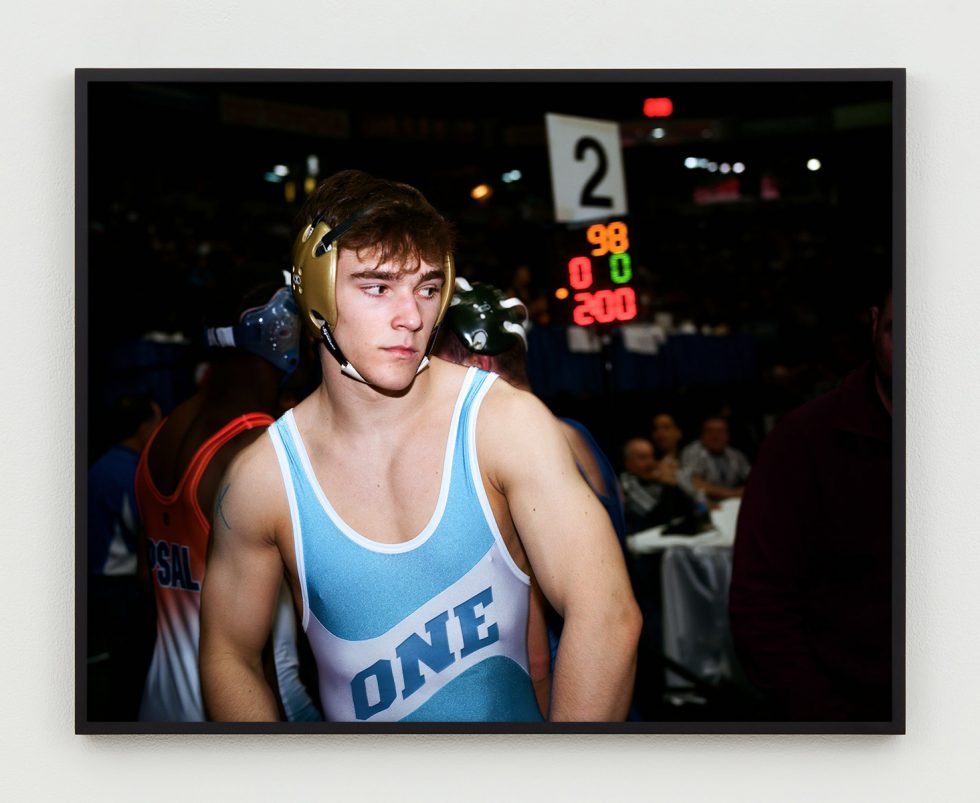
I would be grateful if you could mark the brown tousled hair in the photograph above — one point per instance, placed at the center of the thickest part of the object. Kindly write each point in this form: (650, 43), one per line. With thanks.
(395, 219)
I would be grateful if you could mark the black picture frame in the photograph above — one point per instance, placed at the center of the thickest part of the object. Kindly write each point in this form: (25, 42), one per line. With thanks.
(401, 104)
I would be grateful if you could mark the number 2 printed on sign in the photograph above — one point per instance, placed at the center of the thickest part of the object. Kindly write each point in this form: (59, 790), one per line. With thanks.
(588, 196)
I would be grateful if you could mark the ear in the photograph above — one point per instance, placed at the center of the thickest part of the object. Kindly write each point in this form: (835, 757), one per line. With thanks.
(483, 362)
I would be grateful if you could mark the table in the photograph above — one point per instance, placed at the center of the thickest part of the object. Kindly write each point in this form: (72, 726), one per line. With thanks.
(695, 573)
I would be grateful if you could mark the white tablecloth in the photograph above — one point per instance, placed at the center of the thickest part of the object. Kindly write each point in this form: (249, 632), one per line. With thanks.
(695, 612)
(696, 573)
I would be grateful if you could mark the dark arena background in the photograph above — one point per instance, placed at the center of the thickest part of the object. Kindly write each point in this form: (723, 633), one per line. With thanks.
(760, 226)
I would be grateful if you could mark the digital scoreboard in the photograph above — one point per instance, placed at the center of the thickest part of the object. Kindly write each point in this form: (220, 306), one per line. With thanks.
(595, 272)
(599, 274)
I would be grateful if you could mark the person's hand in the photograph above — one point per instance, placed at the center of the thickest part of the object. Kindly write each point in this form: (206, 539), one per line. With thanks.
(666, 472)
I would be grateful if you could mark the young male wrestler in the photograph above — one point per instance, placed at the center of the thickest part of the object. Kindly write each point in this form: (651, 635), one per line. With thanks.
(415, 498)
(176, 486)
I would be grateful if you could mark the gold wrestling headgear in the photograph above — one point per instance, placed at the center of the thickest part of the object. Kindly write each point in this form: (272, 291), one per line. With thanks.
(314, 280)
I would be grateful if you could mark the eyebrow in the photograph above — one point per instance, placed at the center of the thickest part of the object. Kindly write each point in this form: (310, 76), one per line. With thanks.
(389, 275)
(430, 275)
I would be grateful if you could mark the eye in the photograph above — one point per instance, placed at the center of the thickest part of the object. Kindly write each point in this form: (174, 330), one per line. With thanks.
(374, 289)
(429, 291)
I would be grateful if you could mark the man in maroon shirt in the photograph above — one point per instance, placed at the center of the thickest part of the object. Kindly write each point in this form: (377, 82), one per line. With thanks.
(811, 586)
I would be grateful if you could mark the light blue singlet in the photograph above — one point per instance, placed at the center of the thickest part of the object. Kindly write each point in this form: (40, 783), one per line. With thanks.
(433, 629)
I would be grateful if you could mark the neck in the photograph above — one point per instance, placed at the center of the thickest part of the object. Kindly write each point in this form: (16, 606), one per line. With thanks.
(354, 406)
(246, 381)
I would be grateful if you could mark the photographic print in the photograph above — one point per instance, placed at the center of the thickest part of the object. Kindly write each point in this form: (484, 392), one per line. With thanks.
(490, 401)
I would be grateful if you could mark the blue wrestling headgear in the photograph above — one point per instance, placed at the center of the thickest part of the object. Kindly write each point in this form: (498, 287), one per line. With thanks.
(270, 331)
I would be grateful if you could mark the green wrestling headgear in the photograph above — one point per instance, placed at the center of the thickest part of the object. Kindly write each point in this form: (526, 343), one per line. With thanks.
(485, 320)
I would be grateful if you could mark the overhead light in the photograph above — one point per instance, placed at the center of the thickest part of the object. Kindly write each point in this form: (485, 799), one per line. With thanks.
(738, 167)
(511, 176)
(712, 167)
(813, 165)
(281, 170)
(725, 168)
(481, 192)
(313, 165)
(658, 133)
(690, 162)
(272, 177)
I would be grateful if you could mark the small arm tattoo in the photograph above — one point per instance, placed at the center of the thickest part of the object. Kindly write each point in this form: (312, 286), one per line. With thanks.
(218, 510)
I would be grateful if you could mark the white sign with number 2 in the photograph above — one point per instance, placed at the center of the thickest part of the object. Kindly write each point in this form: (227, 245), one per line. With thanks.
(586, 168)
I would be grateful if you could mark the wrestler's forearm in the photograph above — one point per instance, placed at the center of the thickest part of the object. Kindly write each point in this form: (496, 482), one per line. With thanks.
(595, 668)
(235, 690)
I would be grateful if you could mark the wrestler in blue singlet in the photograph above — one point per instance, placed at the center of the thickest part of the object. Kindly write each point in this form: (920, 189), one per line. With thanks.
(432, 629)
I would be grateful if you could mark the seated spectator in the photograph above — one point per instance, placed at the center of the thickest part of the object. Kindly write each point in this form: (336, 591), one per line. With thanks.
(652, 492)
(715, 467)
(666, 437)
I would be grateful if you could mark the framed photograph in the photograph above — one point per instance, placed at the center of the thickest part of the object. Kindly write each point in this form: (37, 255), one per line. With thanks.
(705, 270)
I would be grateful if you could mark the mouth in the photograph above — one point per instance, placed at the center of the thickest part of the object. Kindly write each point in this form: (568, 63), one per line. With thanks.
(401, 352)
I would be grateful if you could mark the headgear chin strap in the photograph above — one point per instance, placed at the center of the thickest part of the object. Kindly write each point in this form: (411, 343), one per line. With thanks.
(314, 280)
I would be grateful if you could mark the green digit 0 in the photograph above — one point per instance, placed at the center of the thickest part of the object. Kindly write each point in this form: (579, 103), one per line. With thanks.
(620, 268)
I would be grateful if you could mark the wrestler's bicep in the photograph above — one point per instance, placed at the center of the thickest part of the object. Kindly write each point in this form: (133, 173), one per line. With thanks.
(562, 526)
(244, 568)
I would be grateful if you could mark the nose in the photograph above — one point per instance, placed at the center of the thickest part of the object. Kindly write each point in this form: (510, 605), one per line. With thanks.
(407, 314)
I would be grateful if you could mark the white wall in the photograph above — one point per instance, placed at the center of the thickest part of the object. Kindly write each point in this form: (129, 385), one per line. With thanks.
(43, 42)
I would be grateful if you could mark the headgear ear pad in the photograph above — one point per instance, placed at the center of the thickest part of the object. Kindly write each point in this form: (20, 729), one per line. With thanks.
(314, 275)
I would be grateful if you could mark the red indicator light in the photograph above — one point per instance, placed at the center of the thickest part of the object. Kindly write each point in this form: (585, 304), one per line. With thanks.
(658, 107)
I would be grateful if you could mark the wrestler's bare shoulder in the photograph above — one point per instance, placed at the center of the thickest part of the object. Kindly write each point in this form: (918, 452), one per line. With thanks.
(505, 406)
(516, 431)
(251, 484)
(446, 381)
(512, 409)
(257, 457)
(447, 373)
